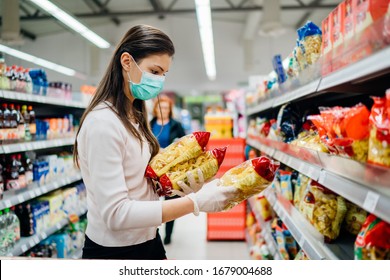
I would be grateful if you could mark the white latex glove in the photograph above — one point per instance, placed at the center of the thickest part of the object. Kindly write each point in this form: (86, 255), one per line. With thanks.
(194, 185)
(212, 197)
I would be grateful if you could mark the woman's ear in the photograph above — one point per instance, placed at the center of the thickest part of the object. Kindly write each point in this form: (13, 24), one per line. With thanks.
(126, 61)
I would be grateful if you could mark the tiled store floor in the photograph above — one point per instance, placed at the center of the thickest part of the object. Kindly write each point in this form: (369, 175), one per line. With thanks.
(189, 242)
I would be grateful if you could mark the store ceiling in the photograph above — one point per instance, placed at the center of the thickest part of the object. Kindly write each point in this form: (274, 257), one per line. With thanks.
(36, 23)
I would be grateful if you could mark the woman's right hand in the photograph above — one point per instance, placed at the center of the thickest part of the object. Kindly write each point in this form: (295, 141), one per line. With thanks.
(212, 197)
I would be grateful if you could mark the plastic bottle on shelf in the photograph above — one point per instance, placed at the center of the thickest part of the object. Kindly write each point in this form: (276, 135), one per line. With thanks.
(28, 167)
(13, 78)
(21, 124)
(26, 117)
(21, 79)
(33, 126)
(8, 231)
(14, 122)
(13, 225)
(12, 174)
(3, 235)
(6, 122)
(1, 181)
(4, 82)
(1, 125)
(29, 83)
(22, 171)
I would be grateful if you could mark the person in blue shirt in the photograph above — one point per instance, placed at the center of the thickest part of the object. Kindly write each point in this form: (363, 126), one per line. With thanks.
(167, 130)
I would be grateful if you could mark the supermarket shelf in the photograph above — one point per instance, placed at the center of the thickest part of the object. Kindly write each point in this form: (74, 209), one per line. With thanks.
(36, 145)
(265, 230)
(310, 240)
(366, 67)
(297, 93)
(372, 64)
(365, 185)
(34, 190)
(20, 96)
(264, 105)
(26, 243)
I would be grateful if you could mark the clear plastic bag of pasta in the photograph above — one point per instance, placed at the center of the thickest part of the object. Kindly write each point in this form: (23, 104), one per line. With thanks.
(208, 162)
(325, 210)
(250, 178)
(354, 218)
(373, 242)
(379, 140)
(186, 148)
(308, 50)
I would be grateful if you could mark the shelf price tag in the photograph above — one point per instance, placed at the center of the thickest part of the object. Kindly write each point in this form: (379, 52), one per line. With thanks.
(24, 248)
(371, 201)
(20, 198)
(32, 243)
(8, 203)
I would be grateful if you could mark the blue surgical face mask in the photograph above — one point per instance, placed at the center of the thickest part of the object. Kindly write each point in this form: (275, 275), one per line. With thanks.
(149, 86)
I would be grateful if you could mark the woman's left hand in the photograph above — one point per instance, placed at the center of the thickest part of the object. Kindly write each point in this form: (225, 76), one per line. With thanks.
(193, 186)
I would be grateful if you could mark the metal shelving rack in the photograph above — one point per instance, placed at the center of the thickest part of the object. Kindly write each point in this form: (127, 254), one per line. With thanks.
(26, 243)
(14, 197)
(265, 231)
(365, 185)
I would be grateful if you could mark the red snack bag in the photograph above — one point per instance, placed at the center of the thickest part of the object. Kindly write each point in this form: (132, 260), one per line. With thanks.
(372, 242)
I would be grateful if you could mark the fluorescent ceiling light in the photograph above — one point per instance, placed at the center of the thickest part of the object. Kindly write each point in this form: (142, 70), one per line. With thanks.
(72, 23)
(39, 61)
(203, 14)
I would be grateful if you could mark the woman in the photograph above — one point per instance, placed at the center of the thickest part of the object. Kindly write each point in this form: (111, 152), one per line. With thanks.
(166, 130)
(113, 147)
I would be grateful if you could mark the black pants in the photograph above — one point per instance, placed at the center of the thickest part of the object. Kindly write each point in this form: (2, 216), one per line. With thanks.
(149, 250)
(169, 225)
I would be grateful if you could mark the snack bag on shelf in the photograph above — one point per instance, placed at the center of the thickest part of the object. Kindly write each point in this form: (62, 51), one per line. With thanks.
(300, 189)
(286, 184)
(264, 208)
(379, 140)
(311, 140)
(281, 241)
(326, 45)
(301, 256)
(309, 49)
(250, 177)
(344, 131)
(288, 122)
(209, 162)
(186, 148)
(373, 242)
(354, 218)
(325, 210)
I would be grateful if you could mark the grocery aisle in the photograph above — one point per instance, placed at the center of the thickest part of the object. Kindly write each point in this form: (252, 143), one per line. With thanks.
(189, 242)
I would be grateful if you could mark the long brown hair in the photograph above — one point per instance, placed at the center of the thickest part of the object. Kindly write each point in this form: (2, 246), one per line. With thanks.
(140, 42)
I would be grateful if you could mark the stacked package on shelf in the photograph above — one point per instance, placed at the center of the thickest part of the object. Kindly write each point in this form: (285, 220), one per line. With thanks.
(352, 31)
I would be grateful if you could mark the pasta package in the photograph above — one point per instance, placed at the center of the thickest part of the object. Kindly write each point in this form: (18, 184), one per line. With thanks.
(209, 162)
(354, 219)
(324, 209)
(308, 49)
(250, 177)
(379, 140)
(186, 148)
(372, 242)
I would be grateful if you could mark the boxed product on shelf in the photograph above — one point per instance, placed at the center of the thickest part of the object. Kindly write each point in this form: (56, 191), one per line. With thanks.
(55, 200)
(41, 215)
(62, 243)
(337, 17)
(70, 200)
